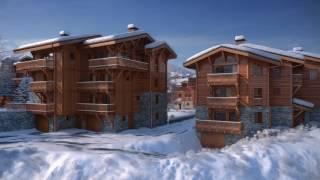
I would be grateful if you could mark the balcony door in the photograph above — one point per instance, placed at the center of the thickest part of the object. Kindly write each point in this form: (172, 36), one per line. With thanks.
(224, 91)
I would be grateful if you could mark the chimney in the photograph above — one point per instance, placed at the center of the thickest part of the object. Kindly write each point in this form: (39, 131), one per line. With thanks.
(132, 27)
(63, 33)
(239, 39)
(297, 49)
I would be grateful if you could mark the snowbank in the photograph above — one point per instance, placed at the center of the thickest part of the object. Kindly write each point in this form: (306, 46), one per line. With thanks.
(271, 154)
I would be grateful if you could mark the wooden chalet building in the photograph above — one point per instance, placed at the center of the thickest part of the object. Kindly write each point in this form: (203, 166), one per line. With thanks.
(243, 87)
(183, 95)
(98, 83)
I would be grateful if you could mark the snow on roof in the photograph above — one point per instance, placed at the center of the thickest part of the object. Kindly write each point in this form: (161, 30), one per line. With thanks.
(237, 47)
(302, 102)
(57, 39)
(314, 55)
(131, 26)
(114, 37)
(273, 50)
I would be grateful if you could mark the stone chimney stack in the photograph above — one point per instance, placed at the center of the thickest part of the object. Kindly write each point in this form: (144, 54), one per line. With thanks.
(132, 27)
(239, 39)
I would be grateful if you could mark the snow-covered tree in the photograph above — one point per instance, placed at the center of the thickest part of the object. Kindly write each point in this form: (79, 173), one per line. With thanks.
(22, 93)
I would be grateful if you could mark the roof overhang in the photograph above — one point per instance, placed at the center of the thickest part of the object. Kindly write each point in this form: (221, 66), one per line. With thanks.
(53, 44)
(119, 40)
(190, 63)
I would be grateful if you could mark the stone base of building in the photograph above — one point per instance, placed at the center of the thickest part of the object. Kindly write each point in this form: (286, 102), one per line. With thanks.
(16, 120)
(152, 111)
(313, 115)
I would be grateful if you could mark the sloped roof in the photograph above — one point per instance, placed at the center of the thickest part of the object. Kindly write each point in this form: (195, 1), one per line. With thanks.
(116, 37)
(304, 53)
(56, 40)
(239, 48)
(157, 44)
(273, 50)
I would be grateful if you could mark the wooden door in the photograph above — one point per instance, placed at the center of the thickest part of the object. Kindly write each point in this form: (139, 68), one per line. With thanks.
(42, 123)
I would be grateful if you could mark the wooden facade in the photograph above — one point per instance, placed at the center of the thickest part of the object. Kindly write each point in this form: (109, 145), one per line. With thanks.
(183, 95)
(230, 77)
(94, 81)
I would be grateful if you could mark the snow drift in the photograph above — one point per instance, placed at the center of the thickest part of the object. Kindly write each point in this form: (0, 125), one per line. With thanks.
(168, 152)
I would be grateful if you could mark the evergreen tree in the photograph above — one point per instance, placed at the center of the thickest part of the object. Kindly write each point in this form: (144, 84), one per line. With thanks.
(22, 93)
(7, 85)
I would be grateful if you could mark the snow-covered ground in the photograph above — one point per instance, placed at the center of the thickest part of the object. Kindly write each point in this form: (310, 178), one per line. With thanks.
(167, 152)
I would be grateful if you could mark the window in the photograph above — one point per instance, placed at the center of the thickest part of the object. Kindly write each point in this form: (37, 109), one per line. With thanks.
(157, 116)
(71, 56)
(257, 93)
(258, 117)
(276, 91)
(123, 118)
(138, 98)
(156, 83)
(224, 92)
(219, 60)
(221, 116)
(232, 116)
(276, 73)
(157, 99)
(257, 70)
(231, 59)
(313, 74)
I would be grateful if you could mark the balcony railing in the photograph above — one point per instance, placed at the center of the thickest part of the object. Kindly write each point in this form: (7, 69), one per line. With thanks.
(222, 102)
(297, 79)
(36, 108)
(95, 86)
(34, 65)
(41, 86)
(223, 78)
(95, 108)
(229, 127)
(118, 62)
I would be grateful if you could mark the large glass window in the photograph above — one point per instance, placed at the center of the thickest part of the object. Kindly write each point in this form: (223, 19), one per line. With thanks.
(313, 74)
(257, 93)
(225, 66)
(221, 116)
(276, 73)
(257, 70)
(224, 92)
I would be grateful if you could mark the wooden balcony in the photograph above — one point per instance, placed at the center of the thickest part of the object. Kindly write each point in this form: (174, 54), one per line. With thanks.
(118, 62)
(222, 102)
(95, 86)
(227, 127)
(297, 79)
(40, 108)
(216, 79)
(34, 65)
(41, 86)
(95, 108)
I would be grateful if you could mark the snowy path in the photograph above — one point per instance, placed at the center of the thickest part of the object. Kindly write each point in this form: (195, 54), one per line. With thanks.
(167, 152)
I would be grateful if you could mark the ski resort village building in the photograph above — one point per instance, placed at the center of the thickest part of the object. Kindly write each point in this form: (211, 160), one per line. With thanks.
(98, 83)
(182, 95)
(243, 87)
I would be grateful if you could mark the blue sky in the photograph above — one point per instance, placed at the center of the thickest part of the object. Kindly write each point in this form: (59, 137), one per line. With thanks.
(189, 26)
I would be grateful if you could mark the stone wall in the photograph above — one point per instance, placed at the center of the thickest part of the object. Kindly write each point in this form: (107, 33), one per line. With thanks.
(120, 123)
(313, 115)
(142, 118)
(247, 117)
(201, 112)
(16, 120)
(281, 116)
(231, 138)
